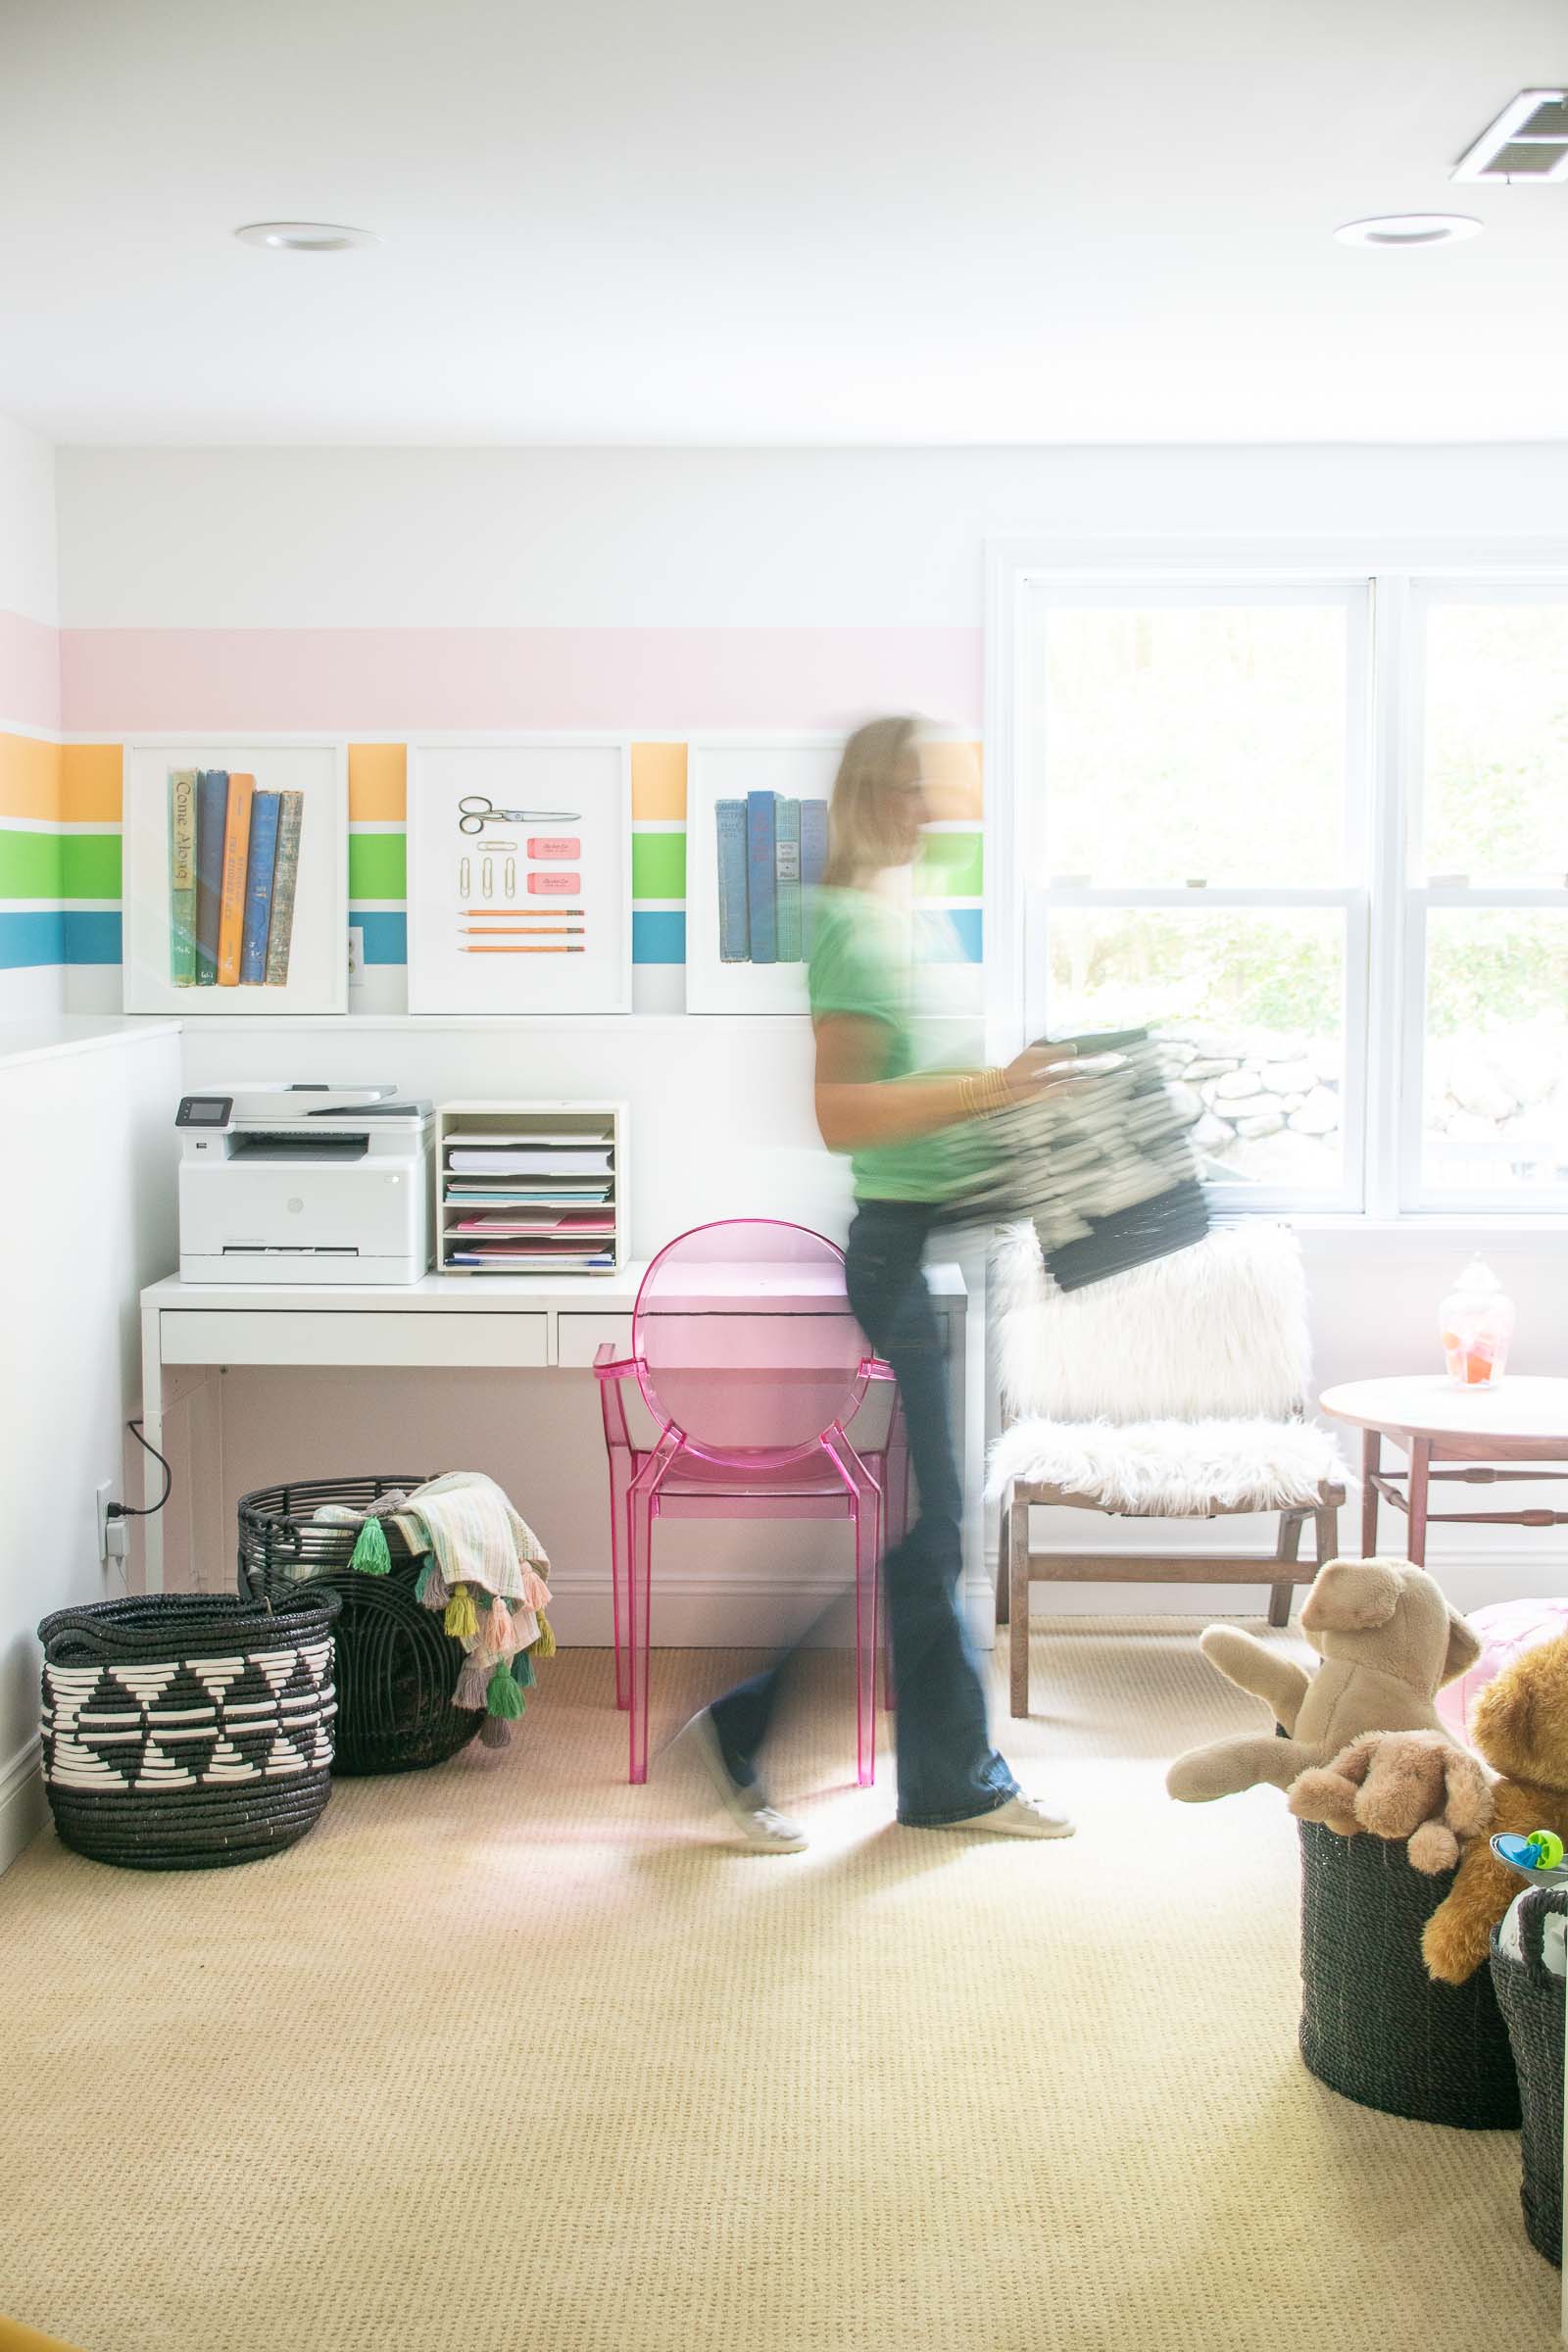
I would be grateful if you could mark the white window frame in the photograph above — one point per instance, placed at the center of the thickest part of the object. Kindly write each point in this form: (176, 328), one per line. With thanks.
(1384, 903)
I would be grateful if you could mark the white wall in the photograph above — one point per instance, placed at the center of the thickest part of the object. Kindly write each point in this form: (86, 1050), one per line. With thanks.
(363, 538)
(30, 569)
(89, 1216)
(29, 662)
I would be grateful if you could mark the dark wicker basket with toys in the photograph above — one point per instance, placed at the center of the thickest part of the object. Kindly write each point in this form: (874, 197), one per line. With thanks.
(1397, 2011)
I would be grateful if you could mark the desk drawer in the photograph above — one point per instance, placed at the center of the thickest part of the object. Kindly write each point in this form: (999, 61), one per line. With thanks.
(579, 1337)
(367, 1339)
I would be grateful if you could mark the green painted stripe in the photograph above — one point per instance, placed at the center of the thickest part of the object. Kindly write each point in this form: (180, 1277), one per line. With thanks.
(951, 866)
(378, 866)
(29, 866)
(90, 865)
(659, 865)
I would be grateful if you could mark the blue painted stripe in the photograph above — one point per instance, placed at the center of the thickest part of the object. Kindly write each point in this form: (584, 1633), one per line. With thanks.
(658, 936)
(93, 935)
(969, 924)
(387, 936)
(37, 937)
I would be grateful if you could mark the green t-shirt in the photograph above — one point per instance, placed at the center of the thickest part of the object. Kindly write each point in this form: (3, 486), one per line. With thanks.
(877, 962)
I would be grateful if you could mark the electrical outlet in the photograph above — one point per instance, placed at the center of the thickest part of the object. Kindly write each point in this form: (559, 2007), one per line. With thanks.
(103, 1496)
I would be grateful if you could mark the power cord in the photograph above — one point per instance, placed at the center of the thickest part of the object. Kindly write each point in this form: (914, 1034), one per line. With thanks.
(129, 1510)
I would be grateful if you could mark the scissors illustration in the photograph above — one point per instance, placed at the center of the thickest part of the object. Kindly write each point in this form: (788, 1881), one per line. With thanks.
(476, 813)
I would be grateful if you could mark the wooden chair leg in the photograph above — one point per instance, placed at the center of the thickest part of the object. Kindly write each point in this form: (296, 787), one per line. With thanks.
(1326, 1524)
(1288, 1547)
(1019, 1607)
(1003, 1577)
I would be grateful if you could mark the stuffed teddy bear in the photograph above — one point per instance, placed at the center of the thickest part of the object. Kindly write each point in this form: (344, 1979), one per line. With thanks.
(1519, 1724)
(1387, 1639)
(1411, 1785)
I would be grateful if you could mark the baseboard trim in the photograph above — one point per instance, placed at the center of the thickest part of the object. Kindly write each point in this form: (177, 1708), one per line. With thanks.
(23, 1807)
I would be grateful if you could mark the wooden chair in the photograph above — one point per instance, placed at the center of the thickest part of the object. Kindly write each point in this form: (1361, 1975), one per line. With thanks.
(1176, 1390)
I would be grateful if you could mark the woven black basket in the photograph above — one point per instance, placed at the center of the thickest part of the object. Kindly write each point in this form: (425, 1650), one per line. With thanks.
(1533, 2000)
(186, 1730)
(396, 1666)
(1374, 2025)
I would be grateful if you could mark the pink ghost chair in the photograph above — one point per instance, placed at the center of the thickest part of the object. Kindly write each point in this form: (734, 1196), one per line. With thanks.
(1507, 1629)
(748, 1367)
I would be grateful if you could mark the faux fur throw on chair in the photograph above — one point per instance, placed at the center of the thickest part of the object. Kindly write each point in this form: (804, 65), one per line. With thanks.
(1169, 1390)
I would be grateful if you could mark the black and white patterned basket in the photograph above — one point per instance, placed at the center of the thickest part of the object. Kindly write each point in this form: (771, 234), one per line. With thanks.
(187, 1730)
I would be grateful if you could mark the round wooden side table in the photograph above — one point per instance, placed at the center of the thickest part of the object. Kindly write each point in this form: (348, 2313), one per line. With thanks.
(1523, 1419)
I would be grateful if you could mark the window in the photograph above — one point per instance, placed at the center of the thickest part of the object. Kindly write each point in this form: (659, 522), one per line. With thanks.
(1315, 829)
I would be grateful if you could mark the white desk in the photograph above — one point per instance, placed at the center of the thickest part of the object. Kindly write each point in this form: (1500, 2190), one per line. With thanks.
(525, 1323)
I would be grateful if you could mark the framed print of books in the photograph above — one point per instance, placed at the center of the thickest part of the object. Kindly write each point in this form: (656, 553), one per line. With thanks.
(756, 842)
(520, 873)
(235, 880)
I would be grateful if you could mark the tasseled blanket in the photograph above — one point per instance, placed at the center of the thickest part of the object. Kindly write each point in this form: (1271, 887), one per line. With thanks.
(484, 1572)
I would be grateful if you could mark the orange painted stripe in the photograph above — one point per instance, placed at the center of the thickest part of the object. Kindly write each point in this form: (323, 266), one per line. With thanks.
(30, 778)
(92, 789)
(658, 783)
(379, 783)
(951, 771)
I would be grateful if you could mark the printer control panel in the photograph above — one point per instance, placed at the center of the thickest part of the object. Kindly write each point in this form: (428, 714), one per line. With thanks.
(204, 1110)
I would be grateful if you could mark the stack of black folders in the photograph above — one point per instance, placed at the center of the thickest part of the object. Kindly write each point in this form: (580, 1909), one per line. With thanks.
(1101, 1165)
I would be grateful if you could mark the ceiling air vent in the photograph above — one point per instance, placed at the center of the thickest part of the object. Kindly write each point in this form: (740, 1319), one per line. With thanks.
(1529, 140)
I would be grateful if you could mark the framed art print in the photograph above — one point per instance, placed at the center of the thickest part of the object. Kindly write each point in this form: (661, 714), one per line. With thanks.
(235, 874)
(520, 873)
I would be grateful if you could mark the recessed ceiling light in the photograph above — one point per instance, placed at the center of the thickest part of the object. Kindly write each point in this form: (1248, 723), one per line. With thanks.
(305, 236)
(1409, 228)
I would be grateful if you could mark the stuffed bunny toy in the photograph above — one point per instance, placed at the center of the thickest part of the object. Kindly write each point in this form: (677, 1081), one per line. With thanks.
(1389, 1642)
(1411, 1785)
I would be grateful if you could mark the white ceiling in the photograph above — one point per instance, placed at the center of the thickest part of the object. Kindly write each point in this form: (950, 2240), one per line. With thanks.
(737, 222)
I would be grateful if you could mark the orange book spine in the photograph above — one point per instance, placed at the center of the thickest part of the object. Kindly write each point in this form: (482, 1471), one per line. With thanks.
(231, 907)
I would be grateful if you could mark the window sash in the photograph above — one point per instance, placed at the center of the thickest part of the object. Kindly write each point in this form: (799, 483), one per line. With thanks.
(1389, 590)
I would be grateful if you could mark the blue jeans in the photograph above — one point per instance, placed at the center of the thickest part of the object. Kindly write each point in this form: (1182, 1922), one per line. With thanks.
(948, 1768)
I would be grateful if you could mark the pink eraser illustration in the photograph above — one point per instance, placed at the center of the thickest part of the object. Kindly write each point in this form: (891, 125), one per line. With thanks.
(555, 886)
(554, 845)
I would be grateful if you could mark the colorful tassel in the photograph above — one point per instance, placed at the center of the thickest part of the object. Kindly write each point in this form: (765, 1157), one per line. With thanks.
(462, 1619)
(474, 1683)
(498, 1632)
(371, 1555)
(431, 1588)
(503, 1698)
(522, 1673)
(535, 1592)
(495, 1731)
(545, 1647)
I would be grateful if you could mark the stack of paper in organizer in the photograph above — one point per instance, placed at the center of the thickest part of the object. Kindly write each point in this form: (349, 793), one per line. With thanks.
(529, 1193)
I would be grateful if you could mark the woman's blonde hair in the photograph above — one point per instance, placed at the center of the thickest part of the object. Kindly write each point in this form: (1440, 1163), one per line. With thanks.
(860, 836)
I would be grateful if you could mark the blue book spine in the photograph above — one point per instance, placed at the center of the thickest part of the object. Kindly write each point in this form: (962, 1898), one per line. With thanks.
(731, 819)
(813, 863)
(787, 870)
(212, 817)
(761, 861)
(260, 858)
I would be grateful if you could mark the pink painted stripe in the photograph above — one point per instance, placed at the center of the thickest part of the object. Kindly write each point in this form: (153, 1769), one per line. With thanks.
(29, 672)
(118, 680)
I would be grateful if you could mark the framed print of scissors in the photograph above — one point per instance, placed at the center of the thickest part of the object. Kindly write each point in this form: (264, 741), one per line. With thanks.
(476, 812)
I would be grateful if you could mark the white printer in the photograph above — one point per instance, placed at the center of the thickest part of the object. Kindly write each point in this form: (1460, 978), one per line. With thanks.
(304, 1184)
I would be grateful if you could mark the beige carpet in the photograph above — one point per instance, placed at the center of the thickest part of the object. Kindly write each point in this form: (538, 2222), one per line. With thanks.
(503, 2056)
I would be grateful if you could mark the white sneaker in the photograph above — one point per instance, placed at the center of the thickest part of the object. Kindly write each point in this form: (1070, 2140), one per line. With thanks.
(1020, 1817)
(761, 1830)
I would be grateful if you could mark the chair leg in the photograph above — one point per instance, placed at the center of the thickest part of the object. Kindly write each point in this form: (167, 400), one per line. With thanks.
(619, 1481)
(1004, 1579)
(639, 1583)
(1018, 1606)
(1326, 1524)
(866, 1515)
(1289, 1548)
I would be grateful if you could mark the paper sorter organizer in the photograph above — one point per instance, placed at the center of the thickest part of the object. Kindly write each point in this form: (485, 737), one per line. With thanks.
(531, 1188)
